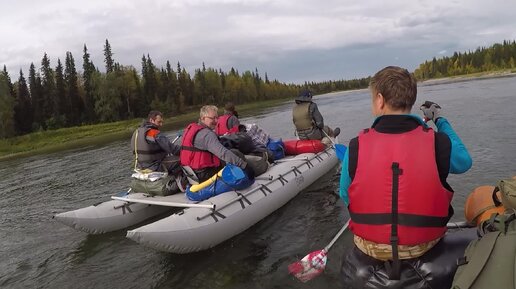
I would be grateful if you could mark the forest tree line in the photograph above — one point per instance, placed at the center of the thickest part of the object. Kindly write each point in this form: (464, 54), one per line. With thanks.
(496, 57)
(61, 96)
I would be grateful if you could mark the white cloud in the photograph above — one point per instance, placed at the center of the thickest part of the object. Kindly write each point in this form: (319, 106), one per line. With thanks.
(246, 34)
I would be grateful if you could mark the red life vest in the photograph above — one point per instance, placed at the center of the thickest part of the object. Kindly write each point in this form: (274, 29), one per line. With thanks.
(222, 125)
(396, 196)
(192, 156)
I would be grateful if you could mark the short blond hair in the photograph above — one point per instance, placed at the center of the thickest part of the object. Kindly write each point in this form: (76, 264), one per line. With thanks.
(207, 108)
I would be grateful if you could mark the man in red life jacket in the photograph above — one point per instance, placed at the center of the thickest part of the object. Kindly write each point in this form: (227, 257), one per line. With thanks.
(152, 149)
(201, 150)
(393, 180)
(228, 123)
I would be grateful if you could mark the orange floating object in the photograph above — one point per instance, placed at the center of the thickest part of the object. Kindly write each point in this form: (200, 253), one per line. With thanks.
(479, 205)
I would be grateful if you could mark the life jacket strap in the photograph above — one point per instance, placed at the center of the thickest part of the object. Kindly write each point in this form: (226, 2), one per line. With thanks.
(193, 149)
(394, 272)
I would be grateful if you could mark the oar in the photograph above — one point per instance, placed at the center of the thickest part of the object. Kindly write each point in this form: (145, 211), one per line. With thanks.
(459, 225)
(178, 135)
(313, 264)
(340, 149)
(164, 203)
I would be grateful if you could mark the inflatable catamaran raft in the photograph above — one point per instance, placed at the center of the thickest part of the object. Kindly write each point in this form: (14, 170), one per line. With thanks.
(196, 229)
(199, 226)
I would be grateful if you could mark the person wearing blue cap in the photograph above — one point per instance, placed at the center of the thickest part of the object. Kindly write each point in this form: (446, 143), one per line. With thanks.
(308, 120)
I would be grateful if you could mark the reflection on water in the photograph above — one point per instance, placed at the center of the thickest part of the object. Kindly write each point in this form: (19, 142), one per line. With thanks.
(93, 244)
(38, 252)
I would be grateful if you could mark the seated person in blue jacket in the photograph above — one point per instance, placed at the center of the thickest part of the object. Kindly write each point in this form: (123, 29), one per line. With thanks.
(308, 120)
(153, 150)
(394, 182)
(201, 150)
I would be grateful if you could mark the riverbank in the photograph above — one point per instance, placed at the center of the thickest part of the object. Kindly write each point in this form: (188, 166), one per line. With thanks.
(469, 77)
(44, 142)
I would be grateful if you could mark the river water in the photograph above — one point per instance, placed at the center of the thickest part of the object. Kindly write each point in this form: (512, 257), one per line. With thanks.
(38, 252)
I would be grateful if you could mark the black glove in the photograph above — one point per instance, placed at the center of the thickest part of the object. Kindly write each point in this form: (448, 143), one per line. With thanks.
(431, 111)
(249, 171)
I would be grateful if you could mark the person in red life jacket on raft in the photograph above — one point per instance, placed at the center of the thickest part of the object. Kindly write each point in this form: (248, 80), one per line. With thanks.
(228, 122)
(201, 150)
(308, 120)
(393, 181)
(152, 149)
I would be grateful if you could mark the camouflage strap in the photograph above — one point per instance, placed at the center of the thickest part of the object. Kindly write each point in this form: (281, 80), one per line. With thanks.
(136, 151)
(476, 265)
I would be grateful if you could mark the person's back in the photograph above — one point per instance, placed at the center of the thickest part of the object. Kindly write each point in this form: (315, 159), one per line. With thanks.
(308, 121)
(392, 172)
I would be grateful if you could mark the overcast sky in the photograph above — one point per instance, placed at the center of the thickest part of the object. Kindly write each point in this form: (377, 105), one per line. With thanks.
(291, 40)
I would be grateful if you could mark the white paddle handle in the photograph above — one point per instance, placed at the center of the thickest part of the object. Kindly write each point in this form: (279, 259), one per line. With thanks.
(336, 236)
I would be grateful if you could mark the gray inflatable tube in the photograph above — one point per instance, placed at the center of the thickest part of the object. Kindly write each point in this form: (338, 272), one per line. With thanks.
(196, 229)
(115, 214)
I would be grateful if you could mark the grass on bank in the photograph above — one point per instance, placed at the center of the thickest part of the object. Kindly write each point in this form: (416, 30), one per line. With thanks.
(50, 141)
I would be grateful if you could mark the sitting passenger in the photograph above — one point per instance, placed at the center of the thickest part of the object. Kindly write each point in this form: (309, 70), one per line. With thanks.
(394, 182)
(152, 149)
(201, 151)
(308, 120)
(228, 123)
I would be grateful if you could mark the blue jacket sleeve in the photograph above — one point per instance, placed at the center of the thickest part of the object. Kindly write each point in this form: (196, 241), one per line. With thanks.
(460, 160)
(345, 180)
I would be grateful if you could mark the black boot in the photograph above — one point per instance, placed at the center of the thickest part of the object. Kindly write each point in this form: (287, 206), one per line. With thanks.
(336, 132)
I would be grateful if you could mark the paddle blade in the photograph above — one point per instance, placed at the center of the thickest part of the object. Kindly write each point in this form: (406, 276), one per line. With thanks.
(340, 150)
(122, 194)
(311, 266)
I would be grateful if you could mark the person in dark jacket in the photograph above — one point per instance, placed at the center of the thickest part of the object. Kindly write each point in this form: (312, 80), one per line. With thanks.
(152, 149)
(393, 181)
(308, 120)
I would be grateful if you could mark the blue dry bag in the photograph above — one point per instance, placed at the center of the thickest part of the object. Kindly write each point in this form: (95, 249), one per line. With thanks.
(277, 148)
(233, 178)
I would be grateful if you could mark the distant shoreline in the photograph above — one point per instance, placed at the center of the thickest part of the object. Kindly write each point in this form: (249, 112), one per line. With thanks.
(78, 137)
(445, 80)
(62, 139)
(466, 77)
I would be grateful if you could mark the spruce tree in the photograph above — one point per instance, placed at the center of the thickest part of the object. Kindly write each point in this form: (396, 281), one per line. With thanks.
(171, 87)
(88, 104)
(9, 82)
(62, 104)
(23, 113)
(108, 57)
(74, 102)
(6, 109)
(49, 89)
(36, 98)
